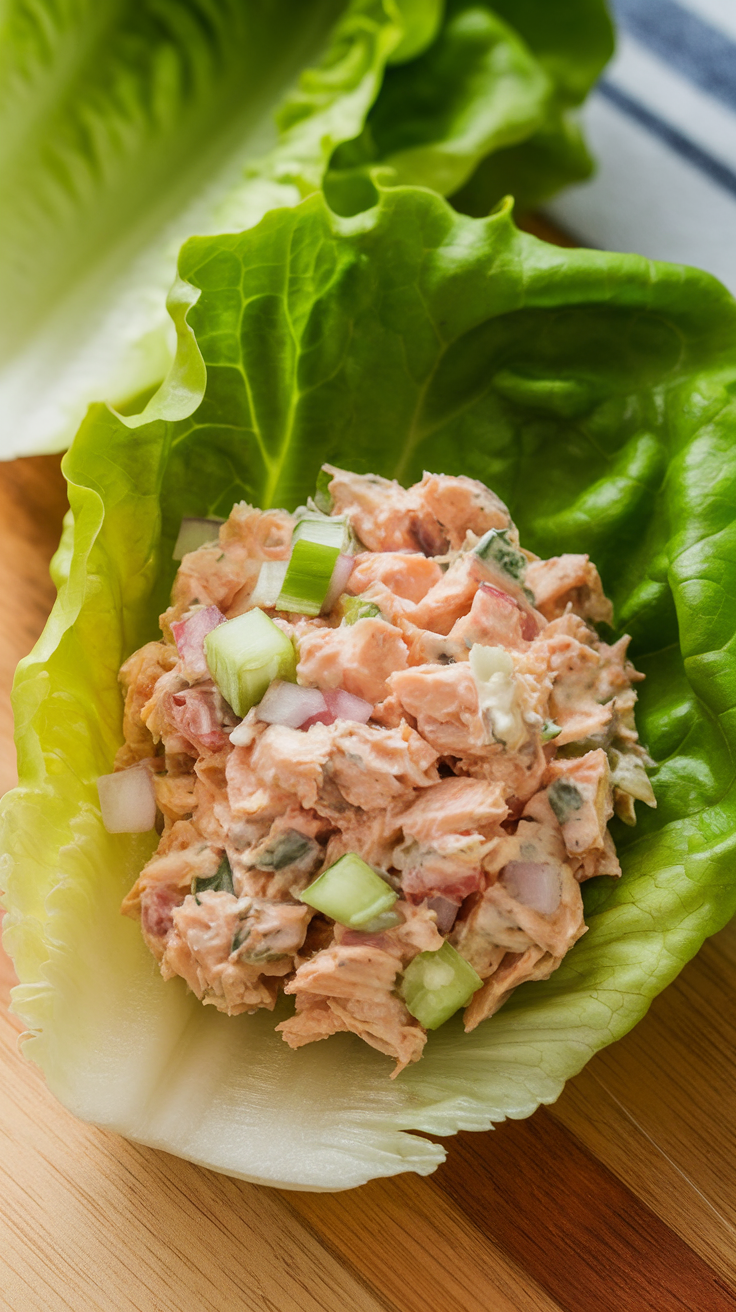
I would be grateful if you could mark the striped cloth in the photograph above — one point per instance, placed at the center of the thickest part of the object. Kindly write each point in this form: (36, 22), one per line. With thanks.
(662, 125)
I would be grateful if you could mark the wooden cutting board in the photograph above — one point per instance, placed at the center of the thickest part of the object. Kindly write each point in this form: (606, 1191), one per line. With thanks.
(619, 1198)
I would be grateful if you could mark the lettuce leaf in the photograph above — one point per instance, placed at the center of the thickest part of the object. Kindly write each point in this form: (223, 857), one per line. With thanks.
(595, 393)
(126, 127)
(486, 110)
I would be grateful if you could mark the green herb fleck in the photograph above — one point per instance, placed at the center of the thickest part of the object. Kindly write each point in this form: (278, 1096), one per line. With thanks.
(564, 798)
(220, 882)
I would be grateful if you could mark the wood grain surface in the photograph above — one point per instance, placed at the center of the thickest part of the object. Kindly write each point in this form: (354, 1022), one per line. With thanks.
(619, 1198)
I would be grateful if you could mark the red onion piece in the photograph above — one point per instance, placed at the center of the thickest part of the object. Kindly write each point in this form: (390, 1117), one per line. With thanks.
(535, 884)
(339, 581)
(418, 883)
(529, 626)
(189, 636)
(127, 800)
(299, 708)
(201, 715)
(446, 912)
(345, 706)
(194, 533)
(291, 705)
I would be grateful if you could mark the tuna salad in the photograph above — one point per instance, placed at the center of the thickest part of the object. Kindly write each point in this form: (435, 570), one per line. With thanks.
(381, 743)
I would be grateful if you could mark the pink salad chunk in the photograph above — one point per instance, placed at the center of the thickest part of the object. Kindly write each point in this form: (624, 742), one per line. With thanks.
(427, 751)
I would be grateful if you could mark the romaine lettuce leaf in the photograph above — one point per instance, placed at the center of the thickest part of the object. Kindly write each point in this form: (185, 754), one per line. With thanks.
(126, 127)
(595, 393)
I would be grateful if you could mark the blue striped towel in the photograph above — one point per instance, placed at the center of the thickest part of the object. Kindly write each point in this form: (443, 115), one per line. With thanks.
(662, 125)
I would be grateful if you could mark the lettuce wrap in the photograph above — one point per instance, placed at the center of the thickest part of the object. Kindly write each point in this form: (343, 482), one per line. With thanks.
(125, 127)
(595, 394)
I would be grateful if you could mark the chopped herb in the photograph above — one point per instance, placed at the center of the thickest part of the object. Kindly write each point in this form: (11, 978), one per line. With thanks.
(564, 798)
(286, 850)
(220, 882)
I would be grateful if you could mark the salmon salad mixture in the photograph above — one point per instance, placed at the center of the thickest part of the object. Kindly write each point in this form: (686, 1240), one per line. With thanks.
(381, 743)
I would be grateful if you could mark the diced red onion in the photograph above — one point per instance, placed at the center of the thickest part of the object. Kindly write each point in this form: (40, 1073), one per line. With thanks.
(418, 883)
(127, 801)
(290, 705)
(339, 581)
(529, 626)
(345, 706)
(201, 715)
(194, 533)
(498, 594)
(269, 583)
(535, 884)
(446, 912)
(299, 708)
(189, 636)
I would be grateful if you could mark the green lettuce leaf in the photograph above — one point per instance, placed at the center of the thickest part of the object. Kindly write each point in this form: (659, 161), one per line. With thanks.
(486, 110)
(126, 127)
(595, 393)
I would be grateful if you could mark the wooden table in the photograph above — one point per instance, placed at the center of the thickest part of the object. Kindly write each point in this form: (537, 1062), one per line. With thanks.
(620, 1198)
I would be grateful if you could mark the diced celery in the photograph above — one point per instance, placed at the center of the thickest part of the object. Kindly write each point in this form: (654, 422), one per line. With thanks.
(550, 731)
(437, 984)
(245, 655)
(330, 530)
(355, 608)
(350, 892)
(308, 577)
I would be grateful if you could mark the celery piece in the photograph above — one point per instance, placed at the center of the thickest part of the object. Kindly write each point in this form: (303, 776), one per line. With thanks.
(436, 984)
(330, 530)
(308, 577)
(245, 655)
(350, 892)
(550, 731)
(355, 608)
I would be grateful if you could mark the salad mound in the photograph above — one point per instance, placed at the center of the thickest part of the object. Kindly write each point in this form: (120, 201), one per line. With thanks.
(384, 744)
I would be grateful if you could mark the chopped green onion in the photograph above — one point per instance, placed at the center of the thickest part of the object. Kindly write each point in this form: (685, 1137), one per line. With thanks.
(245, 655)
(269, 583)
(494, 549)
(308, 577)
(437, 984)
(221, 882)
(350, 892)
(550, 731)
(322, 495)
(355, 608)
(330, 530)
